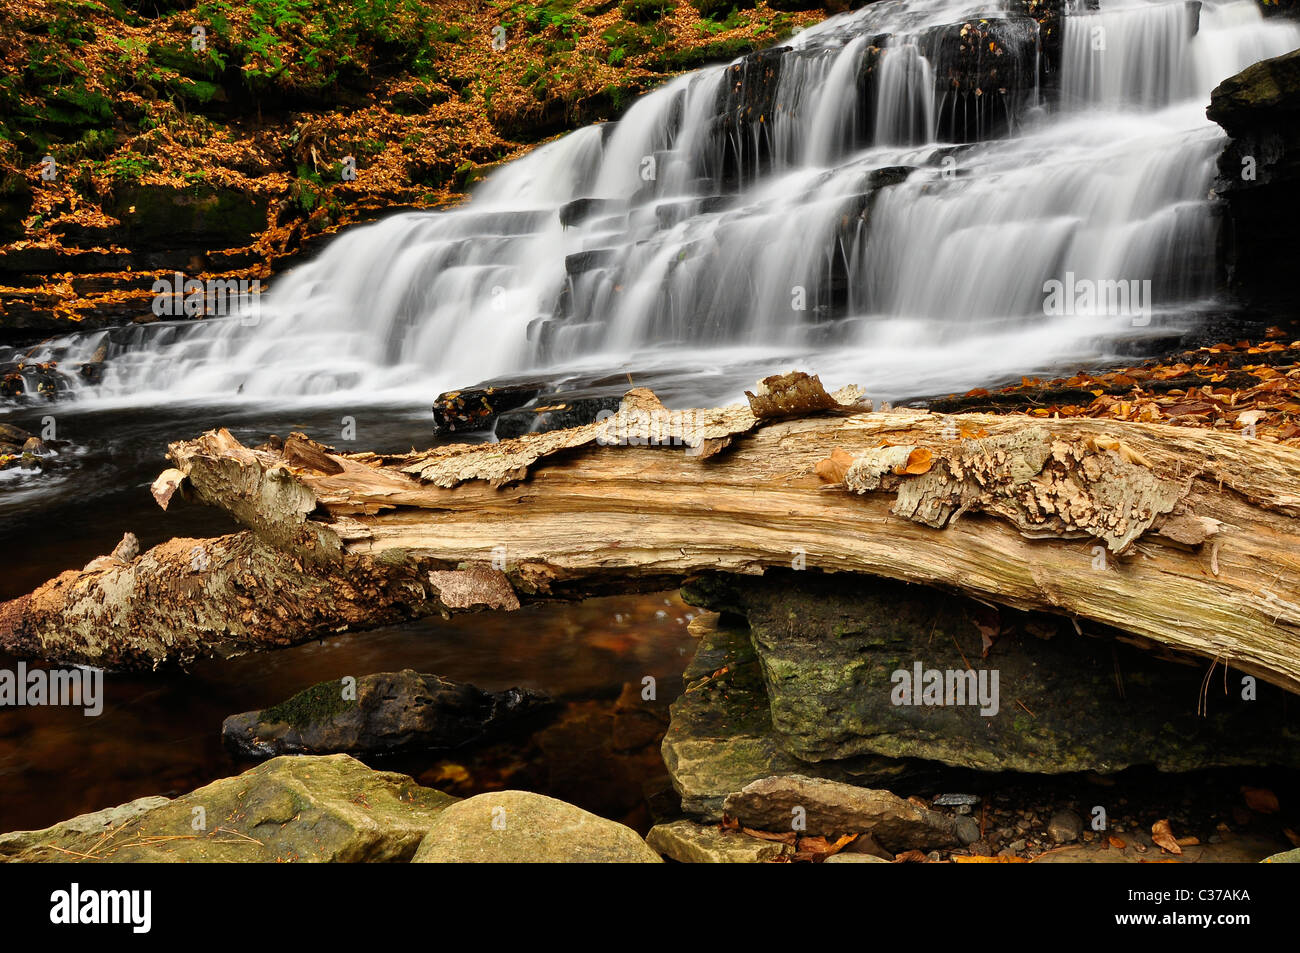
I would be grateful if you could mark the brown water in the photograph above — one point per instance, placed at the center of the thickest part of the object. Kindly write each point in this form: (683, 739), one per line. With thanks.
(160, 733)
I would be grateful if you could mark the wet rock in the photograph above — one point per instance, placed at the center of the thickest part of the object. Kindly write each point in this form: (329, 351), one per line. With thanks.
(21, 844)
(289, 809)
(831, 808)
(522, 827)
(165, 218)
(381, 714)
(1065, 827)
(554, 412)
(721, 738)
(831, 649)
(690, 843)
(580, 210)
(466, 411)
(746, 99)
(1259, 177)
(1286, 857)
(12, 439)
(986, 72)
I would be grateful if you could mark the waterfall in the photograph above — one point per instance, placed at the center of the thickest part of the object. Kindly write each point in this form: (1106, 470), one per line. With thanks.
(905, 97)
(884, 198)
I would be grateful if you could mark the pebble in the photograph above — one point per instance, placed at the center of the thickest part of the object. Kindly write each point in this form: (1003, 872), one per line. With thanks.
(968, 831)
(1065, 827)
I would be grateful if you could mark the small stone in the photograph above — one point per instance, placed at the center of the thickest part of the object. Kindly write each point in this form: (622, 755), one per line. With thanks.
(1065, 827)
(691, 843)
(968, 831)
(981, 849)
(843, 858)
(956, 800)
(1016, 845)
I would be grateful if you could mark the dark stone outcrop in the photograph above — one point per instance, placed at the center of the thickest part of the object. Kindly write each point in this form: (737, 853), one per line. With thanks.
(828, 649)
(1259, 178)
(386, 713)
(986, 74)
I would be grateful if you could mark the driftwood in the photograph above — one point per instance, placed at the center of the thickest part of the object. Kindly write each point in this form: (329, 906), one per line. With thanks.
(1188, 538)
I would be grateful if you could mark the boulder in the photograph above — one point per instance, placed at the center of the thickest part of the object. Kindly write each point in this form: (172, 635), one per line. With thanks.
(986, 75)
(721, 738)
(831, 808)
(387, 712)
(299, 809)
(202, 217)
(690, 843)
(521, 827)
(19, 844)
(1259, 178)
(1286, 857)
(835, 654)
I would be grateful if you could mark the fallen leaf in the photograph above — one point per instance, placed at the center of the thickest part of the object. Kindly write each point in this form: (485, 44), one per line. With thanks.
(910, 857)
(919, 461)
(1163, 835)
(834, 467)
(958, 859)
(1117, 842)
(1261, 800)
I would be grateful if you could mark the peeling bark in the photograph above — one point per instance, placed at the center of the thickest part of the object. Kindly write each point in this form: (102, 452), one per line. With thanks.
(1181, 537)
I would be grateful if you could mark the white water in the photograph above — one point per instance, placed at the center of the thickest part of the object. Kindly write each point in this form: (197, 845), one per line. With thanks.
(938, 286)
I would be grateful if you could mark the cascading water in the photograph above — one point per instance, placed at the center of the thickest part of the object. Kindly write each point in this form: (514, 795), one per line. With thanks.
(883, 202)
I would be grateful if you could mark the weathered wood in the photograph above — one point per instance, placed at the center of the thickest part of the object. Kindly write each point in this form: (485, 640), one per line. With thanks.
(1188, 538)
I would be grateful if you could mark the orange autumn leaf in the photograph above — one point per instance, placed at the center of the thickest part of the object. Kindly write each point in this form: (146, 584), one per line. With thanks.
(1163, 835)
(834, 467)
(1261, 800)
(910, 857)
(1117, 842)
(989, 860)
(919, 461)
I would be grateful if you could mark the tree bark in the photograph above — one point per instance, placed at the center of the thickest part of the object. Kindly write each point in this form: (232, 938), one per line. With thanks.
(1184, 537)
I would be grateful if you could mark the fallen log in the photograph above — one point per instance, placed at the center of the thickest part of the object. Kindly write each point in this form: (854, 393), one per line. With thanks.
(1187, 538)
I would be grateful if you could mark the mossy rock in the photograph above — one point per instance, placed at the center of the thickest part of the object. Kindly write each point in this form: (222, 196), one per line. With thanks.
(164, 217)
(519, 827)
(292, 809)
(831, 648)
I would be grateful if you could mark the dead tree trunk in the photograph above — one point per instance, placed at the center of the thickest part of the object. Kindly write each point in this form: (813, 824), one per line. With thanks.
(1187, 538)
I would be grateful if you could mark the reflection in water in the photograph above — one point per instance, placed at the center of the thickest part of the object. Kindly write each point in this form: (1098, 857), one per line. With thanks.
(161, 733)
